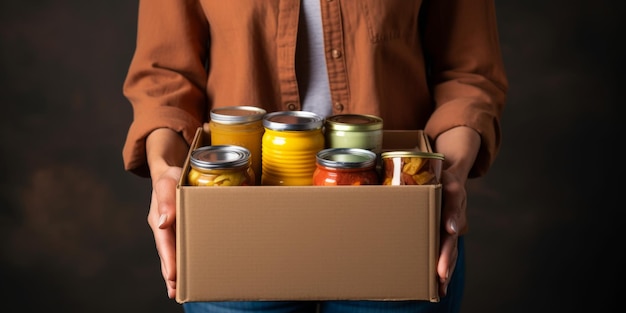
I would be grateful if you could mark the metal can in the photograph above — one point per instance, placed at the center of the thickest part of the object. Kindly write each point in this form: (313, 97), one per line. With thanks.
(220, 165)
(345, 166)
(354, 131)
(289, 147)
(240, 126)
(411, 168)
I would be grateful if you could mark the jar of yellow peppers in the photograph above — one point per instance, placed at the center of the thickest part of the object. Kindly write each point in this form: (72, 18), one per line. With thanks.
(411, 168)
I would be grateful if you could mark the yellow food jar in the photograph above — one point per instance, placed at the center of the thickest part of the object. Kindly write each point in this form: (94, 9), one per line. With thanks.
(290, 144)
(220, 165)
(240, 126)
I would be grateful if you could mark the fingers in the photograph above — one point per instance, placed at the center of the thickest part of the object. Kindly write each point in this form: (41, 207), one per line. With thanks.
(162, 220)
(447, 261)
(165, 241)
(453, 220)
(165, 192)
(169, 284)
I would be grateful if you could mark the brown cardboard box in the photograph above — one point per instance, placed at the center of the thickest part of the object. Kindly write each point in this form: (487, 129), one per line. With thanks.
(309, 242)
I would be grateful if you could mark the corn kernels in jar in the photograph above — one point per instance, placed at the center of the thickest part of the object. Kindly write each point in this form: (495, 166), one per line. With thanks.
(220, 165)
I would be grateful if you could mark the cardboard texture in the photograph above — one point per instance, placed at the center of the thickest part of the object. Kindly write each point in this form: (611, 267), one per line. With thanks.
(309, 242)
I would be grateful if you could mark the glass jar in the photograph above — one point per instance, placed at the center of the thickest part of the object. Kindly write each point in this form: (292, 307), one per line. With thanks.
(220, 165)
(345, 166)
(411, 168)
(354, 131)
(240, 126)
(289, 147)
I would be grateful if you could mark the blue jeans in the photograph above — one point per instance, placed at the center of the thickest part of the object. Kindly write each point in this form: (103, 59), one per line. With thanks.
(451, 303)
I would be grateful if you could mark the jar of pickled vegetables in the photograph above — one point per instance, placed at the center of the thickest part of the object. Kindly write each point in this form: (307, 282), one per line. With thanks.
(290, 143)
(220, 165)
(345, 166)
(240, 126)
(354, 131)
(411, 168)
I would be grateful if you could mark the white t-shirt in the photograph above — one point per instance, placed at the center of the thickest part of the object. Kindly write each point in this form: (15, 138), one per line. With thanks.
(310, 62)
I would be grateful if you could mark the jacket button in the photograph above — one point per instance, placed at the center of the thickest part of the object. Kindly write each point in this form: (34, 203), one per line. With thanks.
(336, 54)
(291, 106)
(339, 106)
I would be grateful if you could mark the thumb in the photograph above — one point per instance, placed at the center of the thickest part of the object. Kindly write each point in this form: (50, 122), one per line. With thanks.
(165, 193)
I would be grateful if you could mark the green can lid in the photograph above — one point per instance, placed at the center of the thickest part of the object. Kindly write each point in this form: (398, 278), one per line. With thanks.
(293, 120)
(354, 122)
(237, 114)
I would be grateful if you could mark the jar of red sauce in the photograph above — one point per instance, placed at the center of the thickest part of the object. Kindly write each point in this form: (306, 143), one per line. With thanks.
(345, 166)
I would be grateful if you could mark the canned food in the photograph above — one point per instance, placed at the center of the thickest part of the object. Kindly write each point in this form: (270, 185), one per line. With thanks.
(290, 144)
(220, 165)
(240, 126)
(354, 131)
(411, 168)
(345, 166)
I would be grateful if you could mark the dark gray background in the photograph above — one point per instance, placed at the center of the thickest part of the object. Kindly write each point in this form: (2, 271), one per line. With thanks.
(544, 223)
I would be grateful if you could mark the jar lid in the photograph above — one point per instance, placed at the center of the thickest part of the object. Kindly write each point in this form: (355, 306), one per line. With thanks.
(219, 157)
(411, 154)
(354, 122)
(237, 114)
(293, 120)
(346, 158)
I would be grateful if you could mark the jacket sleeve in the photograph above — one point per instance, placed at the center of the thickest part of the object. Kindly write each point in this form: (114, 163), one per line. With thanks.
(166, 80)
(469, 84)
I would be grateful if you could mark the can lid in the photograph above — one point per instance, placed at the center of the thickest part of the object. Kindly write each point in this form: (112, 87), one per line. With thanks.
(346, 158)
(237, 114)
(293, 120)
(354, 122)
(411, 154)
(219, 157)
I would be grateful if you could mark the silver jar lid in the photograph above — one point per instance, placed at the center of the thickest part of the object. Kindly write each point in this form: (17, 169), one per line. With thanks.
(220, 157)
(293, 120)
(346, 158)
(237, 114)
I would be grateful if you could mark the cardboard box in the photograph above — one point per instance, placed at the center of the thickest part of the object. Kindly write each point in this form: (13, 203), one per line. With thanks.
(309, 242)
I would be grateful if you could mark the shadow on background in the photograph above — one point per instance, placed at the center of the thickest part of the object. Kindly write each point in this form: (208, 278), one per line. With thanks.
(73, 231)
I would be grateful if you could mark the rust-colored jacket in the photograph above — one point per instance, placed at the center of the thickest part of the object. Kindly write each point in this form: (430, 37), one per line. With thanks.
(429, 65)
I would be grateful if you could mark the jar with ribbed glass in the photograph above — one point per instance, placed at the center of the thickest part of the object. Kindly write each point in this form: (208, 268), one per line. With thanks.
(290, 144)
(241, 126)
(220, 165)
(345, 166)
(411, 168)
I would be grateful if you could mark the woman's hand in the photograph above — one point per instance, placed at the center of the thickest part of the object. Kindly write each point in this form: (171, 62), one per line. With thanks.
(166, 151)
(452, 217)
(162, 221)
(459, 146)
